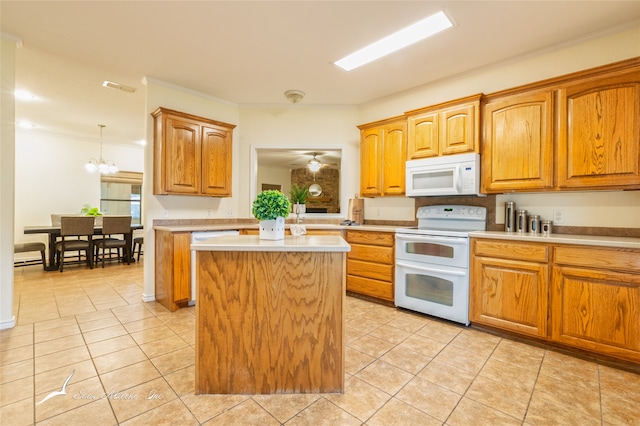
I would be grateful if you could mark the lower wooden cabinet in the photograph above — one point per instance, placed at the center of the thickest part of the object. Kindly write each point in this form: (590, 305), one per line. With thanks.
(172, 268)
(586, 297)
(371, 263)
(510, 286)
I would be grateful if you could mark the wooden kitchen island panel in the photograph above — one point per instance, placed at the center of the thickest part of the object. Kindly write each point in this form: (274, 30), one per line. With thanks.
(269, 322)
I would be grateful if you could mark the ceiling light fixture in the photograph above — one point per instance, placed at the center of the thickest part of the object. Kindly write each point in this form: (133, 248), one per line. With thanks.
(104, 167)
(118, 86)
(407, 36)
(294, 96)
(314, 164)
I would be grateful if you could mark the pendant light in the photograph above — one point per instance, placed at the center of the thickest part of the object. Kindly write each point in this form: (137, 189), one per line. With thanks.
(314, 164)
(102, 166)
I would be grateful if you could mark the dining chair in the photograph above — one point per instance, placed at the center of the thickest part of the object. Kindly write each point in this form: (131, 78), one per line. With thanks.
(72, 229)
(115, 225)
(137, 242)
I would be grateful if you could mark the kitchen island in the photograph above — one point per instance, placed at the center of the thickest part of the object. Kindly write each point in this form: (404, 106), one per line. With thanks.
(269, 315)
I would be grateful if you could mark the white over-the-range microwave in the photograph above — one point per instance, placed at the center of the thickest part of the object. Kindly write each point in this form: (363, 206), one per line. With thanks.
(457, 174)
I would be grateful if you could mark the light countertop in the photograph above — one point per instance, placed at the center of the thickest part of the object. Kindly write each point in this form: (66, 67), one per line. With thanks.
(619, 242)
(238, 226)
(304, 243)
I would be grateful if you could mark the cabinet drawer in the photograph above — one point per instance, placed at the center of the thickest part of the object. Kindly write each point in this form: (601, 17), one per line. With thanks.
(371, 254)
(510, 250)
(370, 287)
(370, 270)
(370, 237)
(597, 257)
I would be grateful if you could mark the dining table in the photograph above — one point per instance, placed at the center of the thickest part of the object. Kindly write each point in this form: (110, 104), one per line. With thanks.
(53, 232)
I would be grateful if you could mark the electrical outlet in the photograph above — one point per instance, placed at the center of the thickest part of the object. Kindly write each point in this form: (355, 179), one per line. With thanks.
(165, 213)
(379, 213)
(559, 216)
(229, 213)
(209, 213)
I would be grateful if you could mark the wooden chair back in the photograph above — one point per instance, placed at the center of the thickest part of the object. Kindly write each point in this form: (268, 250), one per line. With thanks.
(116, 225)
(76, 225)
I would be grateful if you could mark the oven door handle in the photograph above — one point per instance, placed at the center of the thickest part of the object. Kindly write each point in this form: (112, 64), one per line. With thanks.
(430, 238)
(461, 272)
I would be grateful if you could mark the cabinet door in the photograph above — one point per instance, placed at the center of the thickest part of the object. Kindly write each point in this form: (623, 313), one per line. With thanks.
(510, 294)
(422, 136)
(181, 267)
(394, 154)
(599, 133)
(216, 161)
(597, 310)
(459, 129)
(182, 156)
(518, 143)
(371, 163)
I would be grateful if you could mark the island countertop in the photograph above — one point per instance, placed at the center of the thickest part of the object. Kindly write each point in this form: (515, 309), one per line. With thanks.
(304, 243)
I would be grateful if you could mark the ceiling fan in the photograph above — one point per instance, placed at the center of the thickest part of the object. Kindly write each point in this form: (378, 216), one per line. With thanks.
(314, 164)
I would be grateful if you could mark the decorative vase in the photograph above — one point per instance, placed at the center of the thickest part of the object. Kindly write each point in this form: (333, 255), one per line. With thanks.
(299, 208)
(272, 229)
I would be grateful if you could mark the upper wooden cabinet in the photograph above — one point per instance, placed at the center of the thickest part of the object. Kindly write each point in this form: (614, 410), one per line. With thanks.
(192, 155)
(443, 129)
(576, 132)
(383, 147)
(599, 131)
(518, 142)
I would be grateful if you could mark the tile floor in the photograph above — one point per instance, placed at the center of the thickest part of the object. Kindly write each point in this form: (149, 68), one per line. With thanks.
(132, 363)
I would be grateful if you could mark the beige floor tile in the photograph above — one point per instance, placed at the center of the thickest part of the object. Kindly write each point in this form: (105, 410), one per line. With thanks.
(116, 360)
(97, 413)
(56, 333)
(463, 359)
(520, 354)
(352, 334)
(131, 313)
(18, 330)
(115, 344)
(14, 342)
(323, 412)
(397, 413)
(447, 376)
(570, 395)
(509, 374)
(15, 371)
(129, 376)
(405, 359)
(474, 341)
(140, 399)
(77, 395)
(159, 347)
(56, 323)
(422, 345)
(152, 334)
(284, 407)
(47, 347)
(503, 397)
(175, 360)
(14, 355)
(621, 410)
(182, 381)
(544, 412)
(385, 377)
(390, 334)
(98, 324)
(434, 400)
(20, 412)
(171, 413)
(409, 322)
(356, 360)
(620, 384)
(17, 390)
(75, 308)
(360, 399)
(440, 331)
(143, 324)
(61, 358)
(371, 346)
(104, 333)
(95, 316)
(206, 407)
(52, 380)
(365, 325)
(570, 369)
(469, 412)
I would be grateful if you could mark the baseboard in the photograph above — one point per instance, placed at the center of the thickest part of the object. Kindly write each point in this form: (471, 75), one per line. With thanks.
(8, 323)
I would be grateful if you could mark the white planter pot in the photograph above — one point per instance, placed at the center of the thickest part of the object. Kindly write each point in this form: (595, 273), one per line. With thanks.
(299, 208)
(272, 229)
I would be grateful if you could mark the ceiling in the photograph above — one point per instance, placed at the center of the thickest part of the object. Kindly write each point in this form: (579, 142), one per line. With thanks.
(251, 52)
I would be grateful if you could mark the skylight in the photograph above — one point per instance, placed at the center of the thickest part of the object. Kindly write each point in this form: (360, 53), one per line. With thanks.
(407, 36)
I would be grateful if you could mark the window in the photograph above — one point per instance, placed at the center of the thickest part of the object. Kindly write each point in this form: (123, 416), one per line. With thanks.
(121, 194)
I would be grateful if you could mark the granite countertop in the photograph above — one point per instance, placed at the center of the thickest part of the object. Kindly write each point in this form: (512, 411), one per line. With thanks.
(618, 242)
(312, 243)
(238, 226)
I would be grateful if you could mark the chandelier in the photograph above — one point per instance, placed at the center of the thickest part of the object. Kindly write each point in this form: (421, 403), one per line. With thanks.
(102, 166)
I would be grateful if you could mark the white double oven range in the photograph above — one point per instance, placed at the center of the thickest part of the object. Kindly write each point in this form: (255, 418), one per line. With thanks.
(432, 261)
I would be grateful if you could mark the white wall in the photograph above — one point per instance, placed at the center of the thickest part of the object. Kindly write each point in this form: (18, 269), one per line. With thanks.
(50, 176)
(582, 209)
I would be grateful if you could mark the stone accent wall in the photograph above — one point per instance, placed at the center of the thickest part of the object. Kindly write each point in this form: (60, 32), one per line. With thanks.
(328, 179)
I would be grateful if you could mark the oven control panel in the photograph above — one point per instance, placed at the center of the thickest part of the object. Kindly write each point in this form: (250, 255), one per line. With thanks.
(452, 212)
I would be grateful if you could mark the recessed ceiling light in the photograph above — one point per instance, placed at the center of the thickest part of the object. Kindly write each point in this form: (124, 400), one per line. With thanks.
(413, 33)
(24, 95)
(24, 124)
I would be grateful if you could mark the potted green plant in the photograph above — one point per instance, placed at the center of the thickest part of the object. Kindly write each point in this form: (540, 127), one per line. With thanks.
(87, 210)
(299, 196)
(271, 207)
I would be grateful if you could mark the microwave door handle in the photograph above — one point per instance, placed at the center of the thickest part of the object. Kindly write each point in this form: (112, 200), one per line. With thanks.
(457, 178)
